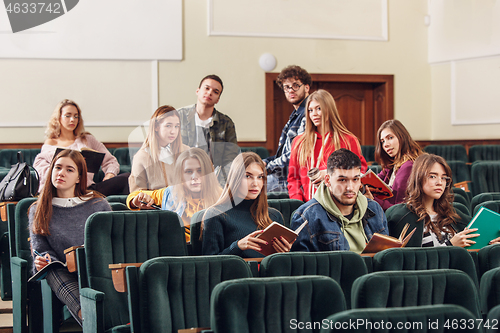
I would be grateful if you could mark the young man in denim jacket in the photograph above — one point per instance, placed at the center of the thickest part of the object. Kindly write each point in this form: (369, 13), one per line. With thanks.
(338, 218)
(295, 82)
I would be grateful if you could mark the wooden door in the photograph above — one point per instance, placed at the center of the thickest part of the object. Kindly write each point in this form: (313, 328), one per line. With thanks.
(364, 102)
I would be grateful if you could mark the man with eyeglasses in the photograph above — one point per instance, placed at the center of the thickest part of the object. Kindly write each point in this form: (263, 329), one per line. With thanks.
(295, 82)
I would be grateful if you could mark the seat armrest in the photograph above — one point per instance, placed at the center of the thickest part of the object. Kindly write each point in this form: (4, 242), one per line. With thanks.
(92, 302)
(132, 275)
(83, 281)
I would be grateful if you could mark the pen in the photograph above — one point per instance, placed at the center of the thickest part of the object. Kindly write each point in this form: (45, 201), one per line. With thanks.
(40, 255)
(153, 205)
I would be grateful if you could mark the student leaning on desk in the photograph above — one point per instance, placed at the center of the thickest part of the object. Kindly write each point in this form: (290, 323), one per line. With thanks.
(57, 222)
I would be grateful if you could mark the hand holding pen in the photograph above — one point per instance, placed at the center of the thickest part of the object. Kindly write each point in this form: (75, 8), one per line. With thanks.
(40, 260)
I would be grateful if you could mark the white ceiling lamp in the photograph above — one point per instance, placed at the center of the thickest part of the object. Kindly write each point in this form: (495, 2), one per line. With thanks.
(267, 62)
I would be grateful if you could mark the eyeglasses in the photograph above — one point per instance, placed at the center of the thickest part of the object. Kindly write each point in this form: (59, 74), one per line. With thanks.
(294, 87)
(439, 180)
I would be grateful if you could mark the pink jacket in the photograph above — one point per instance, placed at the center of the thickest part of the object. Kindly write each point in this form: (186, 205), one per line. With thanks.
(43, 160)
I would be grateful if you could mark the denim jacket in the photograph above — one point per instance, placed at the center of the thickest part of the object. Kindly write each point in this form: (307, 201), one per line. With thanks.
(323, 232)
(294, 126)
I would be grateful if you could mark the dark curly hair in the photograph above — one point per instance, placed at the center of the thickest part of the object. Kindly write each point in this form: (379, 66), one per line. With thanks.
(295, 72)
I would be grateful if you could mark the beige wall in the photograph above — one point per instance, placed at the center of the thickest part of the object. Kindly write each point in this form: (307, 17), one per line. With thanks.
(128, 87)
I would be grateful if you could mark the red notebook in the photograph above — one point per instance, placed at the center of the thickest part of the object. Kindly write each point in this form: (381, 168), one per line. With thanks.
(376, 185)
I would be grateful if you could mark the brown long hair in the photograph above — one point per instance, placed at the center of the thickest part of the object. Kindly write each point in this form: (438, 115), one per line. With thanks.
(409, 150)
(53, 130)
(43, 212)
(210, 188)
(330, 123)
(259, 208)
(415, 195)
(151, 141)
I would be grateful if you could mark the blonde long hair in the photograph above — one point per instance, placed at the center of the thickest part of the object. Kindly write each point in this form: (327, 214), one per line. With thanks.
(330, 123)
(210, 189)
(53, 130)
(259, 208)
(151, 141)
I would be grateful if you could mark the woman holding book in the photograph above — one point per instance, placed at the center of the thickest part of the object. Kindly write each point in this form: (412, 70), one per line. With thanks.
(395, 151)
(324, 134)
(66, 130)
(57, 221)
(153, 164)
(428, 207)
(197, 190)
(233, 223)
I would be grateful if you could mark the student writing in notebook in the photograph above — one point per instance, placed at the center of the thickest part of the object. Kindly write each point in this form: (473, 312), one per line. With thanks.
(57, 221)
(324, 134)
(340, 218)
(428, 207)
(194, 187)
(231, 225)
(395, 151)
(154, 163)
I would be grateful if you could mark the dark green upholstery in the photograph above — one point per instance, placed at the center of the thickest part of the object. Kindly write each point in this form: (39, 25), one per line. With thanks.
(116, 206)
(26, 298)
(411, 258)
(415, 319)
(448, 152)
(490, 289)
(459, 171)
(121, 237)
(117, 198)
(493, 317)
(489, 258)
(484, 153)
(485, 177)
(465, 195)
(286, 207)
(482, 197)
(342, 266)
(174, 293)
(277, 195)
(493, 205)
(375, 168)
(8, 157)
(258, 305)
(412, 288)
(5, 276)
(461, 207)
(368, 153)
(195, 229)
(125, 156)
(261, 151)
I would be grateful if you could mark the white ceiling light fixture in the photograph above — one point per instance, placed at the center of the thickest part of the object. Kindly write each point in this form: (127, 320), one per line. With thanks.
(267, 62)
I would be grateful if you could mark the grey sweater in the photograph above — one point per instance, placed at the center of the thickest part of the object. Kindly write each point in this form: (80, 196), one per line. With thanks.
(66, 227)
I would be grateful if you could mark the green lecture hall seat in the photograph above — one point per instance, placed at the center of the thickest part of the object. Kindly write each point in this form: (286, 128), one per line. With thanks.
(342, 266)
(390, 289)
(448, 152)
(485, 177)
(488, 258)
(261, 151)
(171, 293)
(425, 258)
(412, 319)
(483, 197)
(484, 153)
(490, 289)
(286, 208)
(257, 305)
(121, 237)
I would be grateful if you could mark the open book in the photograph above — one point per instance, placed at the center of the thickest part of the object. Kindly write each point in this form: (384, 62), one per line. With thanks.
(381, 242)
(92, 157)
(376, 185)
(277, 230)
(41, 273)
(487, 223)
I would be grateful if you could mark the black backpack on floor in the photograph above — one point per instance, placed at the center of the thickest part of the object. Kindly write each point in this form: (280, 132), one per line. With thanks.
(18, 183)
